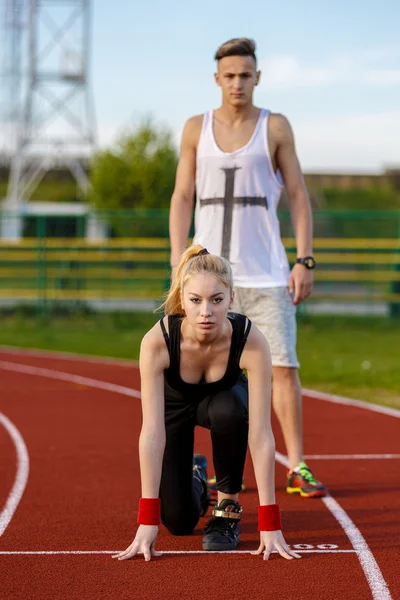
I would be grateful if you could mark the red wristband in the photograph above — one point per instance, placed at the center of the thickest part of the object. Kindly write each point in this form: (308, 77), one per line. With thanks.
(269, 518)
(149, 511)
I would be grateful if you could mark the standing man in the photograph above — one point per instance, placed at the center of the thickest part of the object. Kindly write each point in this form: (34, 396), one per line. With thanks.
(238, 158)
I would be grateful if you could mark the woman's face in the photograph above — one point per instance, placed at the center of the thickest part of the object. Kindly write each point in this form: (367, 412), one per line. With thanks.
(206, 302)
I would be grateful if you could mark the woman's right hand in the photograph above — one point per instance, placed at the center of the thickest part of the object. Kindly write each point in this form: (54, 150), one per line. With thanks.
(144, 543)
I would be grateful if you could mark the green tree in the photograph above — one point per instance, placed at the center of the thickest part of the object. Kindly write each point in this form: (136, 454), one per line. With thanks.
(138, 173)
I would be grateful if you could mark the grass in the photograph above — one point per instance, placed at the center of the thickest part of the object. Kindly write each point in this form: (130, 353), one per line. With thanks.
(356, 357)
(117, 335)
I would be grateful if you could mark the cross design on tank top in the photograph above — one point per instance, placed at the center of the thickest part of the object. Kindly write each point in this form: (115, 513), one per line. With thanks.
(228, 201)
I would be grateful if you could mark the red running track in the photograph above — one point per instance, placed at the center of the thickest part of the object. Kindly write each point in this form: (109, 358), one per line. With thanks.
(80, 438)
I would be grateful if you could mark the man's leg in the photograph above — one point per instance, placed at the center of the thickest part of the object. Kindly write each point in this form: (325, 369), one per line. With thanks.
(287, 404)
(272, 310)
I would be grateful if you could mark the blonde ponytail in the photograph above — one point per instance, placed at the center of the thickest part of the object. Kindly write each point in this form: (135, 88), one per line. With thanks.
(195, 260)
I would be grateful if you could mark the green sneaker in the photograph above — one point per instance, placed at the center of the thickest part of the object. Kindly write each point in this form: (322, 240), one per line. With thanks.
(302, 481)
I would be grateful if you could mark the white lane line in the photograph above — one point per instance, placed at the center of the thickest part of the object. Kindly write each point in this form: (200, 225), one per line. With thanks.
(370, 567)
(385, 410)
(51, 552)
(61, 375)
(21, 476)
(72, 356)
(350, 456)
(125, 391)
(109, 360)
(372, 572)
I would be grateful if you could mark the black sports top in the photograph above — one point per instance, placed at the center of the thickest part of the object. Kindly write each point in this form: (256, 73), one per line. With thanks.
(241, 326)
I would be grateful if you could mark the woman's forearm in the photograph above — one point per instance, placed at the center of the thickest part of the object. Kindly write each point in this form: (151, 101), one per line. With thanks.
(151, 452)
(263, 456)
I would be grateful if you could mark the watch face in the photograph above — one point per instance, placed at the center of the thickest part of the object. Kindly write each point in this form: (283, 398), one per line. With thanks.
(309, 262)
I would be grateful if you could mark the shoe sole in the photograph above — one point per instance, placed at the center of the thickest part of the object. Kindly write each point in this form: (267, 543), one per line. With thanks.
(220, 547)
(316, 494)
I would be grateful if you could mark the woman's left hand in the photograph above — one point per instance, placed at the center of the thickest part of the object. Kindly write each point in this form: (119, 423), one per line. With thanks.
(274, 540)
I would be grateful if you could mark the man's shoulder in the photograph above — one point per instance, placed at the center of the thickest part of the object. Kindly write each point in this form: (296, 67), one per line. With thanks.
(195, 122)
(196, 118)
(279, 123)
(192, 130)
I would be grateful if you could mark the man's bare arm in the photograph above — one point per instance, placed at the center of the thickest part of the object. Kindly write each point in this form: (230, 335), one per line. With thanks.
(301, 279)
(181, 207)
(289, 166)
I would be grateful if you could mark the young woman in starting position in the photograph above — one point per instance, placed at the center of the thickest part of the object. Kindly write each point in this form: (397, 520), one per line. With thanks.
(191, 367)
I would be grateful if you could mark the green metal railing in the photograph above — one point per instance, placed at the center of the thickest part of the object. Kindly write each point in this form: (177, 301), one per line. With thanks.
(124, 257)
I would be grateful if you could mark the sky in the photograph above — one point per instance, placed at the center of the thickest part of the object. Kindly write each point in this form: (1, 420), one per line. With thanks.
(332, 68)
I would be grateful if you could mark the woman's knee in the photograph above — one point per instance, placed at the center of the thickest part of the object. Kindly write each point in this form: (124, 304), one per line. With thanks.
(180, 526)
(225, 408)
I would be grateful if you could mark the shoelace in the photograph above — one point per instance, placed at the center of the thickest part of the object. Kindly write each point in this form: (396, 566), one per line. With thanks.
(307, 475)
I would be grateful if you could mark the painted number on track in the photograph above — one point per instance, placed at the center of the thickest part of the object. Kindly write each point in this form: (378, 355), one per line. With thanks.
(311, 547)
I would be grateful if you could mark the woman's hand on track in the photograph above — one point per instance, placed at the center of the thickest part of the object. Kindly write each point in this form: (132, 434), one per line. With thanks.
(274, 540)
(144, 543)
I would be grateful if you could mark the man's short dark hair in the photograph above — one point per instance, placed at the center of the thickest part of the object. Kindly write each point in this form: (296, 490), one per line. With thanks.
(237, 47)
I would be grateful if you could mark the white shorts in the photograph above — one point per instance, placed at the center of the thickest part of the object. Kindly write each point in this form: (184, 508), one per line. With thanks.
(274, 313)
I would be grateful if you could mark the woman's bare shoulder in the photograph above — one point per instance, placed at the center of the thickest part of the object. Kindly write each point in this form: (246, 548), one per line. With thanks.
(153, 347)
(256, 349)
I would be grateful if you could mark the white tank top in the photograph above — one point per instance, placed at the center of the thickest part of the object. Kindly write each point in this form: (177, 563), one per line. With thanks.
(237, 195)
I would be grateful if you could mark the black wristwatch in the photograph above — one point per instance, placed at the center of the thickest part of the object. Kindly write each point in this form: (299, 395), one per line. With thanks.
(307, 261)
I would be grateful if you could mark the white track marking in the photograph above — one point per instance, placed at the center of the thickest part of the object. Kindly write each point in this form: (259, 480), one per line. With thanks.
(350, 456)
(51, 552)
(377, 584)
(21, 476)
(368, 563)
(79, 379)
(72, 356)
(370, 567)
(393, 412)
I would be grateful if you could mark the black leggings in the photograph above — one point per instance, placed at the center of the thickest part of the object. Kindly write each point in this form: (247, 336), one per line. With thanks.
(226, 415)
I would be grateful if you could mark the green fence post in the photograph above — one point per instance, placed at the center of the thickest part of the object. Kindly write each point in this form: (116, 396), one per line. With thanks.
(394, 307)
(82, 225)
(41, 305)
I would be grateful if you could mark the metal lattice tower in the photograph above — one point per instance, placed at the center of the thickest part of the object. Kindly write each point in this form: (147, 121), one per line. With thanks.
(13, 42)
(56, 123)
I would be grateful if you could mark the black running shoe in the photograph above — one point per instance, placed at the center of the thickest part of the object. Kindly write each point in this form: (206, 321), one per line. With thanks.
(222, 532)
(200, 472)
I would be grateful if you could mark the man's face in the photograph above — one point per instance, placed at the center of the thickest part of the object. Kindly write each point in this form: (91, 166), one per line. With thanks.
(237, 76)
